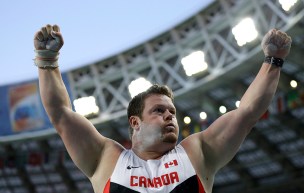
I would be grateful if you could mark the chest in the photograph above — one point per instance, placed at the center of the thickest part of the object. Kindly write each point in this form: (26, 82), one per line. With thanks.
(168, 174)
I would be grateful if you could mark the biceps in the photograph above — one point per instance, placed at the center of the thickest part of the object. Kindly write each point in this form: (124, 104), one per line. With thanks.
(82, 141)
(224, 137)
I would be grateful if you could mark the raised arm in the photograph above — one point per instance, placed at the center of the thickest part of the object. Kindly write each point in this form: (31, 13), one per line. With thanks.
(83, 142)
(221, 141)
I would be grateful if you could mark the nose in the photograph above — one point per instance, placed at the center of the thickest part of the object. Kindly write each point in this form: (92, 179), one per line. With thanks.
(168, 115)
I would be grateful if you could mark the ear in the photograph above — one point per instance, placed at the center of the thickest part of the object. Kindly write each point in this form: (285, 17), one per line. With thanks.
(134, 122)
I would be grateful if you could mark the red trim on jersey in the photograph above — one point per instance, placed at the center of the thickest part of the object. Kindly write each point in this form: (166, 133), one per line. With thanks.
(200, 186)
(107, 187)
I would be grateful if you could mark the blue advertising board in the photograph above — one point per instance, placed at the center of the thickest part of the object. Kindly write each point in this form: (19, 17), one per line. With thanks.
(21, 109)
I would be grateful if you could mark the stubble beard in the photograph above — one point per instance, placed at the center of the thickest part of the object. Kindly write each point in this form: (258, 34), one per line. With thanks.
(153, 134)
(169, 138)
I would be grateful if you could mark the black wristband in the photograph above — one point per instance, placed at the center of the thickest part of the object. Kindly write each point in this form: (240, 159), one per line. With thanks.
(274, 61)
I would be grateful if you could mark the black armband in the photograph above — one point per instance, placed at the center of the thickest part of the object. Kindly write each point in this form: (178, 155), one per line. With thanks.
(274, 61)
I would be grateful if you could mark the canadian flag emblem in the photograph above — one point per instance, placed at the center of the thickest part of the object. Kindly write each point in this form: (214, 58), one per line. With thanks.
(171, 164)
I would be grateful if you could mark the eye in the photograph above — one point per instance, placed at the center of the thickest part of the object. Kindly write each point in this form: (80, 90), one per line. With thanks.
(172, 112)
(159, 110)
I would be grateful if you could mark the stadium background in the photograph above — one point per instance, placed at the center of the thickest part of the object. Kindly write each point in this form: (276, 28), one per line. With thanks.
(33, 158)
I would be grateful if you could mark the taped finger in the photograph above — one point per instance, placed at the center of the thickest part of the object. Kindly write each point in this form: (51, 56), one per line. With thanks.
(48, 29)
(44, 33)
(56, 28)
(39, 36)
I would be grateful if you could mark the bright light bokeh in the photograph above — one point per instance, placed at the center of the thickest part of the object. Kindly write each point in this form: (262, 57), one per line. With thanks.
(223, 109)
(86, 106)
(187, 120)
(194, 63)
(287, 4)
(245, 31)
(293, 84)
(237, 104)
(203, 115)
(139, 85)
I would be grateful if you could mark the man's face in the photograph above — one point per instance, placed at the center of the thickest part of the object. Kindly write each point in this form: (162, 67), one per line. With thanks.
(159, 122)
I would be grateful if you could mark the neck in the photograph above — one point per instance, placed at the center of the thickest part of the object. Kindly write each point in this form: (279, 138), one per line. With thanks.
(148, 153)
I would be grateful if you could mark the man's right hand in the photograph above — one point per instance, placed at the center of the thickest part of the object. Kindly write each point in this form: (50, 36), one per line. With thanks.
(48, 41)
(48, 38)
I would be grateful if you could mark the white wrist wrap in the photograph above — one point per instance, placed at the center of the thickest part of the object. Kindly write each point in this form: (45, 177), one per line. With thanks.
(46, 59)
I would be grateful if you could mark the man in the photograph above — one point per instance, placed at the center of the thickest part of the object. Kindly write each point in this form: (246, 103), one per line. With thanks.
(156, 163)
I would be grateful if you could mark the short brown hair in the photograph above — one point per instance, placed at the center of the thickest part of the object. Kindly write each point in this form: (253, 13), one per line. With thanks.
(137, 103)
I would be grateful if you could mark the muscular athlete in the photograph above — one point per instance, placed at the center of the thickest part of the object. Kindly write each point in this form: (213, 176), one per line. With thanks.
(155, 163)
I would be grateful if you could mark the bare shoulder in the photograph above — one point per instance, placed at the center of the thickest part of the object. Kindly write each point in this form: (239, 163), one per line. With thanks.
(193, 146)
(107, 163)
(197, 150)
(111, 151)
(112, 147)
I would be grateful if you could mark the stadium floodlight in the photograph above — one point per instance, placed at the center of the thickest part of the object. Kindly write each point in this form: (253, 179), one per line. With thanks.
(223, 109)
(287, 4)
(187, 120)
(86, 106)
(139, 85)
(293, 84)
(194, 63)
(245, 31)
(203, 115)
(237, 104)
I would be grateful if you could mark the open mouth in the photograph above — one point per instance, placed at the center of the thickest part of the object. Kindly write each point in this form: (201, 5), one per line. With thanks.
(170, 127)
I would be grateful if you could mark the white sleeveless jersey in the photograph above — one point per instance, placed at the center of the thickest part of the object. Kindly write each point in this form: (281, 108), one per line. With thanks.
(173, 173)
